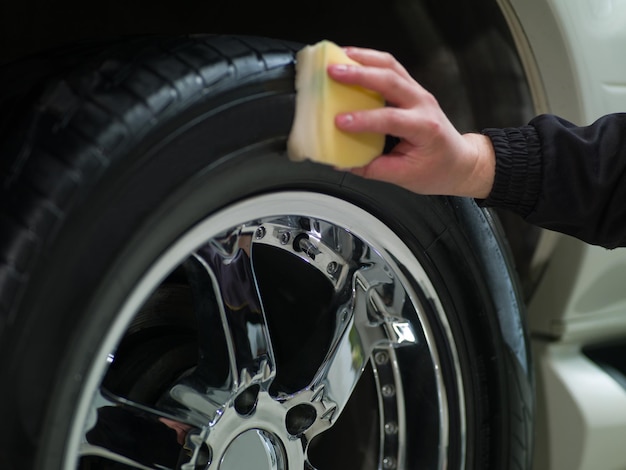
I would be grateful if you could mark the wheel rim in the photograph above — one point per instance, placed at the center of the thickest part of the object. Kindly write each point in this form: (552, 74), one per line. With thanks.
(225, 384)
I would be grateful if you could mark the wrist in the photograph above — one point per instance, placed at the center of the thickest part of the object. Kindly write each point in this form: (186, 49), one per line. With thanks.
(482, 159)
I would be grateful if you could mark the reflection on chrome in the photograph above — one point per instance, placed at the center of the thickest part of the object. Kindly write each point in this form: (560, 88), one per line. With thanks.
(228, 408)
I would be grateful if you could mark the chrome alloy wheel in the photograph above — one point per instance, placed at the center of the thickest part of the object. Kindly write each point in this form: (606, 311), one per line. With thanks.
(261, 337)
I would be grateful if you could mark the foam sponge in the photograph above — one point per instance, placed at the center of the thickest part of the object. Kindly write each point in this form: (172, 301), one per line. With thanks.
(319, 99)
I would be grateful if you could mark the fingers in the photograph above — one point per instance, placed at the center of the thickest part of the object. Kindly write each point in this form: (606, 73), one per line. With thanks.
(368, 121)
(405, 124)
(381, 72)
(391, 168)
(394, 88)
(384, 168)
(374, 58)
(414, 116)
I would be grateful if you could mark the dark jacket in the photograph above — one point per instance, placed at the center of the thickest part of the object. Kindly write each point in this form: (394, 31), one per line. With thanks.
(563, 177)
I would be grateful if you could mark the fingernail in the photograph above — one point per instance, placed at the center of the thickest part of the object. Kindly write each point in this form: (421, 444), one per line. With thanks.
(339, 68)
(345, 120)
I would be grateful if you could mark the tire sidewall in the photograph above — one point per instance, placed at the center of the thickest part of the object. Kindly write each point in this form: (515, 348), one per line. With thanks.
(196, 164)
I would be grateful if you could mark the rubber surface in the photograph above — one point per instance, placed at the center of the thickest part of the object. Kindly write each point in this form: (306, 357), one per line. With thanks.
(89, 166)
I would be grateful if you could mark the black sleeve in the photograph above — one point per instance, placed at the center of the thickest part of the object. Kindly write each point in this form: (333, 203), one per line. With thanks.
(563, 177)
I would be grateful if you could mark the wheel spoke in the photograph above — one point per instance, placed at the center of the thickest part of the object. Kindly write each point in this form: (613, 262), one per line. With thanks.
(213, 403)
(133, 434)
(370, 320)
(235, 352)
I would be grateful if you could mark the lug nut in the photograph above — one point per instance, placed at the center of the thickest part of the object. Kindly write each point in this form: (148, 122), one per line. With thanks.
(284, 238)
(381, 358)
(332, 267)
(391, 427)
(260, 232)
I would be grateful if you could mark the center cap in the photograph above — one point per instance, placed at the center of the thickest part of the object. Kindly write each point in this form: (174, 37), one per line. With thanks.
(256, 449)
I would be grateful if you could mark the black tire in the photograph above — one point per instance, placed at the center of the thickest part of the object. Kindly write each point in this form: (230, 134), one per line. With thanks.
(118, 184)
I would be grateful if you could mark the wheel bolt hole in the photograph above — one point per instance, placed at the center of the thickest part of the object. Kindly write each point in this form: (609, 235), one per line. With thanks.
(300, 418)
(204, 457)
(246, 401)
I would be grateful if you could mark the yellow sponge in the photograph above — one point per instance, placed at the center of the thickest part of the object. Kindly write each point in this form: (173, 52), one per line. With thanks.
(319, 98)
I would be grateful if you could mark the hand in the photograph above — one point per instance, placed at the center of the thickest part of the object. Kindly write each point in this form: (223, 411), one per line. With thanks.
(432, 156)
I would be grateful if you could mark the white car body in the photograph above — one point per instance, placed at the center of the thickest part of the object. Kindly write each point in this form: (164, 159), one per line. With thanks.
(573, 52)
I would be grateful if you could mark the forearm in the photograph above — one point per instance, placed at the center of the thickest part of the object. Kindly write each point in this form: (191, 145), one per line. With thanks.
(563, 177)
(583, 190)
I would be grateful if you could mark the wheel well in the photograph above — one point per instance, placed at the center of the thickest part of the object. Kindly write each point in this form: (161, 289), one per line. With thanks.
(449, 45)
(461, 51)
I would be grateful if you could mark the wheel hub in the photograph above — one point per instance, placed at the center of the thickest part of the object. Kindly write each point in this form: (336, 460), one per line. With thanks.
(257, 440)
(254, 448)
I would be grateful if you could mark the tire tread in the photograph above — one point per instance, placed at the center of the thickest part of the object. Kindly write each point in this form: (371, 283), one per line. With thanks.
(84, 118)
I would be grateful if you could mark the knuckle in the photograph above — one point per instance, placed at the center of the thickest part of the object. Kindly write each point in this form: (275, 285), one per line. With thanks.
(393, 80)
(428, 99)
(432, 126)
(388, 58)
(395, 118)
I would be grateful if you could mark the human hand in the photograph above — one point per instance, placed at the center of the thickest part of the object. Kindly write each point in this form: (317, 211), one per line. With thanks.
(432, 157)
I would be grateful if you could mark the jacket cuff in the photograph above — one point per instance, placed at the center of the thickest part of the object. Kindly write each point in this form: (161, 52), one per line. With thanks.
(518, 169)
